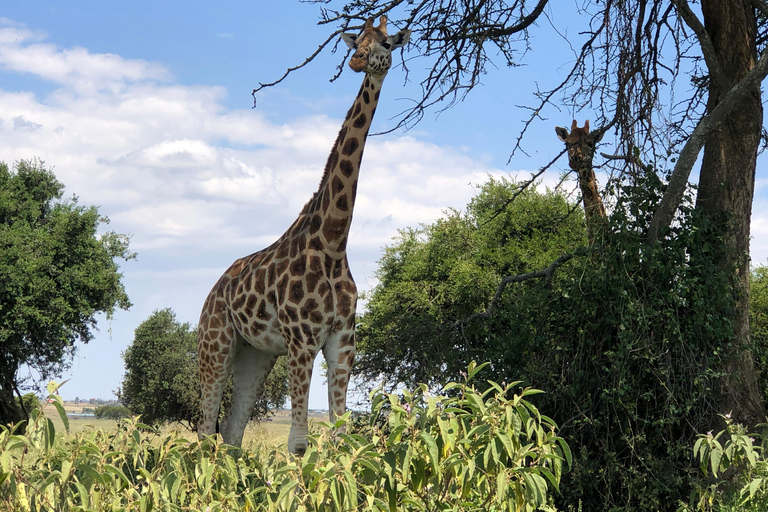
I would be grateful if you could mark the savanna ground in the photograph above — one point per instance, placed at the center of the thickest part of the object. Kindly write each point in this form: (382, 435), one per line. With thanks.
(265, 435)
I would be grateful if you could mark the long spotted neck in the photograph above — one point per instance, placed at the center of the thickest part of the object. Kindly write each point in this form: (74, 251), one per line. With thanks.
(335, 198)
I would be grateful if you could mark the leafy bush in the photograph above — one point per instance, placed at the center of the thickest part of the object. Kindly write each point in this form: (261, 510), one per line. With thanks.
(29, 402)
(463, 450)
(758, 323)
(738, 460)
(111, 412)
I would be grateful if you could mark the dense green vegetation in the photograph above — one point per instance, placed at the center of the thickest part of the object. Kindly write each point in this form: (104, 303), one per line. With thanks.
(441, 273)
(56, 274)
(758, 322)
(161, 382)
(458, 450)
(627, 340)
(29, 402)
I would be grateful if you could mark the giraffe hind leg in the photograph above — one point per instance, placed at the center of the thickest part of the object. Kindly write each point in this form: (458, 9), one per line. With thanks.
(250, 369)
(300, 363)
(215, 352)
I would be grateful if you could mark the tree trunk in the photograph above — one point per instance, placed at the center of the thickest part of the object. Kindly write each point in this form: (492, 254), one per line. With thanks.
(10, 412)
(726, 185)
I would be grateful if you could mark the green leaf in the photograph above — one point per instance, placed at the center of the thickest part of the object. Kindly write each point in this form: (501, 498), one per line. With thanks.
(566, 450)
(434, 455)
(62, 413)
(715, 460)
(502, 486)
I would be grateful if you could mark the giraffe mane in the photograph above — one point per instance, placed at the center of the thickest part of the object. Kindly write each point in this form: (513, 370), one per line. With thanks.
(314, 203)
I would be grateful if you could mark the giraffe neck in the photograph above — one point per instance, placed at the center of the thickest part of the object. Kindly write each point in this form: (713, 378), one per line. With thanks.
(593, 204)
(334, 201)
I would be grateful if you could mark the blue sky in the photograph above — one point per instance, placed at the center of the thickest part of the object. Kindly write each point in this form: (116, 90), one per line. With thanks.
(144, 109)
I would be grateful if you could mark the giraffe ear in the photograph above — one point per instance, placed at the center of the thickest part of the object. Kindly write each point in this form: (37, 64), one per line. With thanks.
(562, 133)
(400, 39)
(350, 39)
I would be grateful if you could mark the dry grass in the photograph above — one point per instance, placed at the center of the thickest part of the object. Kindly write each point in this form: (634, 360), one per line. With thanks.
(261, 436)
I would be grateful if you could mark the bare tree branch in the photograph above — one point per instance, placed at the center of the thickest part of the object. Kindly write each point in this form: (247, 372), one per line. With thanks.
(678, 181)
(761, 6)
(547, 273)
(716, 73)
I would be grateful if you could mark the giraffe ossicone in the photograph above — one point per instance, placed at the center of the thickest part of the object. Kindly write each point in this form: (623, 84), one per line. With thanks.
(297, 297)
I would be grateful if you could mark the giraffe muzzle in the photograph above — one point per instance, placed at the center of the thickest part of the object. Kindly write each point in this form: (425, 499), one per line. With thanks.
(358, 62)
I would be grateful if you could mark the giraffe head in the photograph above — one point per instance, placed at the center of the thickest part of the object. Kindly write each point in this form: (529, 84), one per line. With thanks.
(577, 141)
(373, 47)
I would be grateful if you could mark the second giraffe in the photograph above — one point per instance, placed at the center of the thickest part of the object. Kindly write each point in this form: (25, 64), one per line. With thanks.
(297, 296)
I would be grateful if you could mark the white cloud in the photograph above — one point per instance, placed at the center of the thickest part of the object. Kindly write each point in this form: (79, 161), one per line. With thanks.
(76, 68)
(171, 165)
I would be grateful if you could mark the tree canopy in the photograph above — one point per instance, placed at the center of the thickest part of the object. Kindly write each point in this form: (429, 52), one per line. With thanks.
(435, 276)
(161, 382)
(57, 272)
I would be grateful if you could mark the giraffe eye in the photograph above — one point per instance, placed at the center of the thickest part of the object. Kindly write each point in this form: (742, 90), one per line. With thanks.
(386, 45)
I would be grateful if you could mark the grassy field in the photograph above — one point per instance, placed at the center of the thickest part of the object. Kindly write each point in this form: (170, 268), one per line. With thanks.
(261, 436)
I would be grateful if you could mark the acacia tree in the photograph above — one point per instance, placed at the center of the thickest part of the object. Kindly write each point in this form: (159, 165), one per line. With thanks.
(56, 274)
(631, 58)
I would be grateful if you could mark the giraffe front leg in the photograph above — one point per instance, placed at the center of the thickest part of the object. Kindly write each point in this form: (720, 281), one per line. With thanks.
(300, 363)
(339, 355)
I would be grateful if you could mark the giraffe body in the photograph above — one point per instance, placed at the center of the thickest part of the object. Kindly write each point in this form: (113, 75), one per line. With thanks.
(581, 151)
(297, 297)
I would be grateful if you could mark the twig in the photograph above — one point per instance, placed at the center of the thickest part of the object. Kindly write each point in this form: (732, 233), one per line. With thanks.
(547, 273)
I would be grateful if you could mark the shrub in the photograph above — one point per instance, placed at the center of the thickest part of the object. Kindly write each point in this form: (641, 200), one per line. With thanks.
(735, 464)
(462, 450)
(111, 412)
(29, 402)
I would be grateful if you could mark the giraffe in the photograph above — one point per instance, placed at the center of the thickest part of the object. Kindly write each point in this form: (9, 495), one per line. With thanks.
(581, 150)
(297, 296)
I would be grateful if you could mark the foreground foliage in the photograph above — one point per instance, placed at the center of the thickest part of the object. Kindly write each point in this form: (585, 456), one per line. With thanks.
(460, 450)
(740, 461)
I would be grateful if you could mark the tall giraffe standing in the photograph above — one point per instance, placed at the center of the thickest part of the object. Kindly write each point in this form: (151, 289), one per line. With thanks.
(581, 151)
(297, 296)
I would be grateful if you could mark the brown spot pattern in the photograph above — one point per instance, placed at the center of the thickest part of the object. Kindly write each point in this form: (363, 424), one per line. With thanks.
(351, 145)
(360, 121)
(346, 168)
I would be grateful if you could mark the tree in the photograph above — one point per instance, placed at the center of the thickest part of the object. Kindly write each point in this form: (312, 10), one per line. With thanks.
(630, 59)
(435, 276)
(161, 382)
(29, 402)
(623, 341)
(111, 412)
(56, 273)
